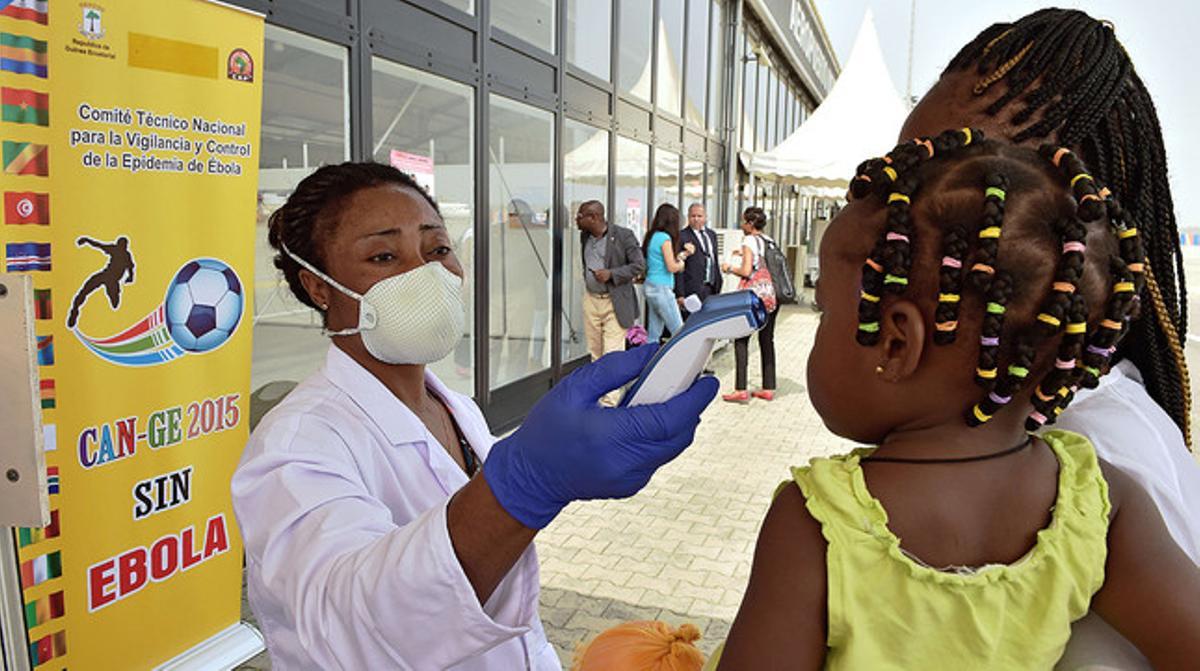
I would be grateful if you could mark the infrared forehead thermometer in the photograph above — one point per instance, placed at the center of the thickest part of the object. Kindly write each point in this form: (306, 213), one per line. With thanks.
(675, 367)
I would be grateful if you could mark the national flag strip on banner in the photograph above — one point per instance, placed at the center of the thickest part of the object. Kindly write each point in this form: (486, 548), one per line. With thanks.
(49, 437)
(22, 257)
(41, 568)
(26, 158)
(27, 536)
(48, 395)
(37, 11)
(45, 350)
(41, 611)
(26, 207)
(144, 344)
(43, 307)
(47, 648)
(52, 479)
(23, 55)
(24, 106)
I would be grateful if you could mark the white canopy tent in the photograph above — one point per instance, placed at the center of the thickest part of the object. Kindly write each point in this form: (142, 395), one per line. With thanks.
(860, 118)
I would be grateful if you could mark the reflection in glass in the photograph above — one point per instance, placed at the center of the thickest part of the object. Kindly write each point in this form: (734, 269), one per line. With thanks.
(589, 31)
(520, 197)
(467, 6)
(716, 67)
(693, 183)
(762, 111)
(749, 92)
(423, 126)
(585, 171)
(669, 88)
(710, 195)
(666, 179)
(529, 20)
(697, 61)
(637, 17)
(633, 182)
(304, 125)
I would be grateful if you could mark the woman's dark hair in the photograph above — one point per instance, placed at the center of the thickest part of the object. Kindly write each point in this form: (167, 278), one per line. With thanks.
(1071, 68)
(666, 219)
(311, 214)
(756, 217)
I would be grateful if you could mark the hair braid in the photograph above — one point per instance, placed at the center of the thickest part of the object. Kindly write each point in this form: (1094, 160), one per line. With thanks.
(1000, 290)
(950, 286)
(1074, 70)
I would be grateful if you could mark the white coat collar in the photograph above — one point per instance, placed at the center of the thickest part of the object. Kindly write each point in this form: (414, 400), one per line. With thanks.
(397, 422)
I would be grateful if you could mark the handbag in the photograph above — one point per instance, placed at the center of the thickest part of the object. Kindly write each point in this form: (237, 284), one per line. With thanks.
(760, 283)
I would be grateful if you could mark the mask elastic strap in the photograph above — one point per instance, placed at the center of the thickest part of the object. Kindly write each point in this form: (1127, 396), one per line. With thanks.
(313, 269)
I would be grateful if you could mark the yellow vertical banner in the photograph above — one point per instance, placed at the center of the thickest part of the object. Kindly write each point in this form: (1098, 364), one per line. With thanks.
(130, 138)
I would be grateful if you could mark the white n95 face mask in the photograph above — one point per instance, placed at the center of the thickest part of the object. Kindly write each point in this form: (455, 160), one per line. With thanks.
(415, 317)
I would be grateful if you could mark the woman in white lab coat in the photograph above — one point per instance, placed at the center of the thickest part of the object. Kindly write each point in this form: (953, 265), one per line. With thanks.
(376, 538)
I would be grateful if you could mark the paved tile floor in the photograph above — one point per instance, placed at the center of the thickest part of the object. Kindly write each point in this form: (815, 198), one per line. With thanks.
(680, 551)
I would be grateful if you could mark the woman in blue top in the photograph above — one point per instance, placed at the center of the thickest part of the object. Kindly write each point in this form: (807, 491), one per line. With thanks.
(661, 265)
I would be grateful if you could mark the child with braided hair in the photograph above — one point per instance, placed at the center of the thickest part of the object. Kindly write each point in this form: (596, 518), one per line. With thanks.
(971, 536)
(1062, 76)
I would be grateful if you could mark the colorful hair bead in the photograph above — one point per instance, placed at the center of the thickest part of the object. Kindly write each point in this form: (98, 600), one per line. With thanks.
(983, 268)
(1123, 287)
(1062, 151)
(1038, 417)
(1127, 233)
(896, 237)
(951, 262)
(894, 279)
(896, 196)
(1064, 365)
(1049, 319)
(1075, 328)
(1043, 395)
(966, 136)
(1018, 371)
(949, 298)
(1110, 324)
(924, 142)
(1136, 267)
(946, 327)
(989, 374)
(869, 327)
(1074, 246)
(890, 172)
(1102, 351)
(995, 308)
(874, 265)
(995, 192)
(989, 232)
(989, 341)
(1082, 175)
(1065, 287)
(869, 297)
(999, 400)
(979, 414)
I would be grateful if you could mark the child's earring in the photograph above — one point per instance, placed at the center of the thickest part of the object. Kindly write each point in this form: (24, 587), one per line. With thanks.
(879, 369)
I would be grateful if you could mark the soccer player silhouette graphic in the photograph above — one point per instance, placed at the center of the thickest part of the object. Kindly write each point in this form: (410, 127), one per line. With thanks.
(118, 271)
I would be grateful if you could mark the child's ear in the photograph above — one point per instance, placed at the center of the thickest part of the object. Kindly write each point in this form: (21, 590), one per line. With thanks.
(902, 340)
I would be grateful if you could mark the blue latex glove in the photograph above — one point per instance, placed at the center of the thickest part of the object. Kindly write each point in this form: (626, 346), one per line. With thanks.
(569, 448)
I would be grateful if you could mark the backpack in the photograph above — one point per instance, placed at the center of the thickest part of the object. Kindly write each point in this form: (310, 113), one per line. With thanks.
(776, 262)
(760, 281)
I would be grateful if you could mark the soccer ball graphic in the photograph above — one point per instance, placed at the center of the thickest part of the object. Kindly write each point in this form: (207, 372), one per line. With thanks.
(204, 305)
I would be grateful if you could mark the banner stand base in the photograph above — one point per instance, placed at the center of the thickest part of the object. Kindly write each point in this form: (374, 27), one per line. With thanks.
(225, 650)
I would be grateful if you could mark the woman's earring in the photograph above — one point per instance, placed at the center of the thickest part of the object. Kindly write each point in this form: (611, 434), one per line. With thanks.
(879, 369)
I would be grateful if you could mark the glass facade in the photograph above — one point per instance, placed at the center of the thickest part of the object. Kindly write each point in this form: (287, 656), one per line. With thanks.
(668, 86)
(585, 177)
(635, 40)
(520, 202)
(305, 123)
(423, 124)
(589, 29)
(512, 113)
(529, 20)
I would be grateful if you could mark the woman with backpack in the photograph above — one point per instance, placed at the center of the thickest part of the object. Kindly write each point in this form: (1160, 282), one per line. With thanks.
(756, 277)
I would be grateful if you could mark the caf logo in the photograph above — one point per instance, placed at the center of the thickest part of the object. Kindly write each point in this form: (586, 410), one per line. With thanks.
(240, 66)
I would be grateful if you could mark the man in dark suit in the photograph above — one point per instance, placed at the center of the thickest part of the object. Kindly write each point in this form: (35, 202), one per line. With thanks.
(612, 258)
(701, 274)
